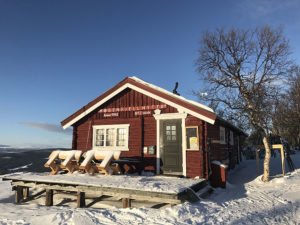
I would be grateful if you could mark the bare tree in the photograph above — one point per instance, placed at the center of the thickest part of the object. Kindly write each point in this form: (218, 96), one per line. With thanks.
(242, 70)
(286, 120)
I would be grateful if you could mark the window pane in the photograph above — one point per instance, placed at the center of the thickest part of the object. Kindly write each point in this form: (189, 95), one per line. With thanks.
(100, 137)
(192, 141)
(110, 136)
(222, 135)
(171, 133)
(121, 137)
(231, 138)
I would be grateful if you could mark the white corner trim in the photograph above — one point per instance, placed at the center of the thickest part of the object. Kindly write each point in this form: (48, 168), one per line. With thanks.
(157, 147)
(133, 87)
(184, 163)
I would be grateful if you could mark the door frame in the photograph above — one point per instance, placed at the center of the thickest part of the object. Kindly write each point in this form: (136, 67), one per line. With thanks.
(170, 116)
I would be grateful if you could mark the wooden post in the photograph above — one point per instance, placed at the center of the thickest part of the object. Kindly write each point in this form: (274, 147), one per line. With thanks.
(282, 160)
(257, 160)
(49, 198)
(25, 193)
(126, 202)
(18, 194)
(80, 199)
(280, 147)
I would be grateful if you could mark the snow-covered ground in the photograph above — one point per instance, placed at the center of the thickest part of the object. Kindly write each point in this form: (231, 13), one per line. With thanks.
(245, 201)
(146, 183)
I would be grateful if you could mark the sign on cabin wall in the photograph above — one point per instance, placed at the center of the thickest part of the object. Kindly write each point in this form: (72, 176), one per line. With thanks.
(110, 114)
(194, 143)
(138, 110)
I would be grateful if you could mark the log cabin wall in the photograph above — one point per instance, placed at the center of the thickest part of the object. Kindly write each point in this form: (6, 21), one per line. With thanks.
(149, 140)
(121, 110)
(224, 152)
(218, 151)
(137, 109)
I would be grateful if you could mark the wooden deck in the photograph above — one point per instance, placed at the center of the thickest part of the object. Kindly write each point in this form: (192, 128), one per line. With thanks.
(100, 187)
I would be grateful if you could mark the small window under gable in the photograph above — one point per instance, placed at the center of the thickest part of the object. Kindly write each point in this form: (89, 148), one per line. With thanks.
(231, 138)
(222, 135)
(111, 137)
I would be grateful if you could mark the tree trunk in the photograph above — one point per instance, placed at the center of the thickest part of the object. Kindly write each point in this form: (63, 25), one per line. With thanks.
(266, 175)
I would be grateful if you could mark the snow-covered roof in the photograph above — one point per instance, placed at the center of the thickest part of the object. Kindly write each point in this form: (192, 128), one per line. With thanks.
(172, 94)
(182, 104)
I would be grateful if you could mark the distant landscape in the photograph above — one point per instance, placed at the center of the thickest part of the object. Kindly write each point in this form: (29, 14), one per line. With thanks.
(23, 159)
(4, 146)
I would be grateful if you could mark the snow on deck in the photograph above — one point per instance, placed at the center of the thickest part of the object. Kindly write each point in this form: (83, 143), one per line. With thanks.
(160, 184)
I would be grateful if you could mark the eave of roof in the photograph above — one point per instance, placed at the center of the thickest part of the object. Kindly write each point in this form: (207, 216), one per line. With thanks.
(232, 126)
(194, 108)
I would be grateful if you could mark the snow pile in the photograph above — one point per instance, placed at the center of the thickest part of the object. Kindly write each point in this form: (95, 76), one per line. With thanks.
(245, 201)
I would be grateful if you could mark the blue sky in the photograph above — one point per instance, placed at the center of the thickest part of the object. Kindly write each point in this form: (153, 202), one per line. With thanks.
(56, 56)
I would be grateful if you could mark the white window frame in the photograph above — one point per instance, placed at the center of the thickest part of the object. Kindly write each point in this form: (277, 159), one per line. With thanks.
(231, 142)
(111, 148)
(222, 141)
(197, 132)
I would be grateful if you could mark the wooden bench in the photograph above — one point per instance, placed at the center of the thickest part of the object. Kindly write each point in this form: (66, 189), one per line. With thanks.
(63, 160)
(106, 166)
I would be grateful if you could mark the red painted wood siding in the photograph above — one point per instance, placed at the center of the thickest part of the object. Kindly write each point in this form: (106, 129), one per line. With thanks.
(142, 131)
(131, 98)
(195, 164)
(225, 153)
(84, 135)
(145, 87)
(149, 140)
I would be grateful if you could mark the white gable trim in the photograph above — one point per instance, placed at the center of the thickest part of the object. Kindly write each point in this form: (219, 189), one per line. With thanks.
(180, 108)
(172, 94)
(142, 91)
(86, 112)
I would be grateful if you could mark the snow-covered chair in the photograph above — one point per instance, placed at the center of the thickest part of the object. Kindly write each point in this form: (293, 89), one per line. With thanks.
(64, 160)
(106, 167)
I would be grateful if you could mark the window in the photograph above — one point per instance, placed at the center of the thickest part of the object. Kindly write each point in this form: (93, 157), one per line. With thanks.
(231, 138)
(222, 135)
(111, 137)
(171, 133)
(192, 140)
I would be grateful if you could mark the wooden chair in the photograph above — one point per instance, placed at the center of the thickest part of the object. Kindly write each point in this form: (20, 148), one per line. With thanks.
(64, 160)
(106, 167)
(52, 162)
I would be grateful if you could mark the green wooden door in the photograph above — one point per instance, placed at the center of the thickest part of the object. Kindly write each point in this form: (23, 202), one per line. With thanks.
(171, 146)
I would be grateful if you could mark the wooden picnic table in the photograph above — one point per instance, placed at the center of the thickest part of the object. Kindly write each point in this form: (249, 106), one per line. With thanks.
(129, 165)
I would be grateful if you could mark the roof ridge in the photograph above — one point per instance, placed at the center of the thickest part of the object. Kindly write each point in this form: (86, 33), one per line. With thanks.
(172, 94)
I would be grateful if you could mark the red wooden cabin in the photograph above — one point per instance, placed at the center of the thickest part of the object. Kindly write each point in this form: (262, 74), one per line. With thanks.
(166, 132)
